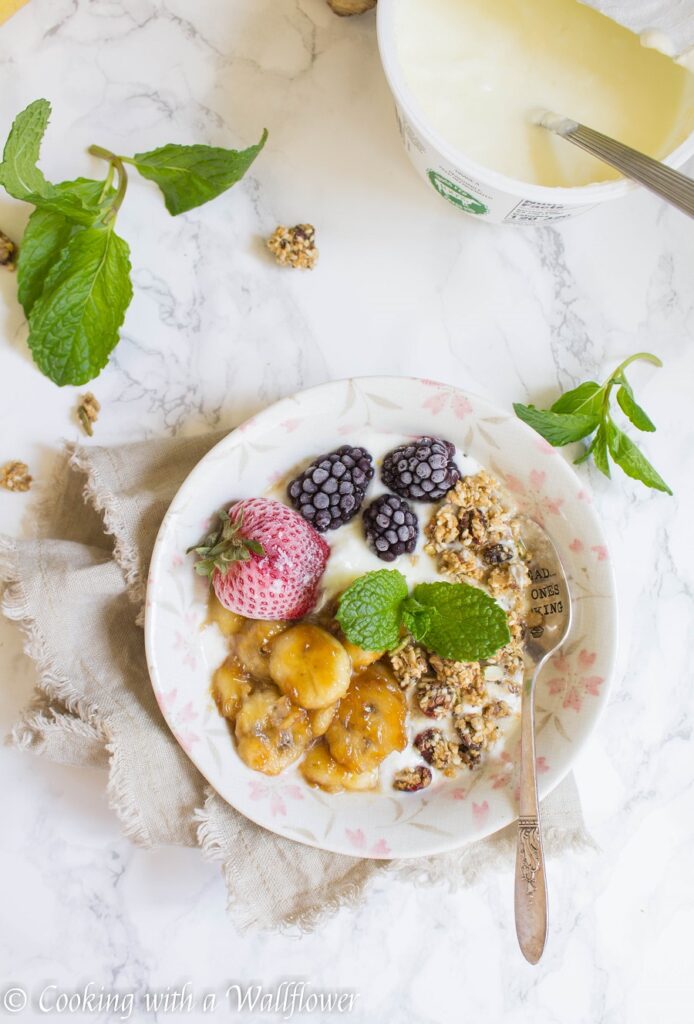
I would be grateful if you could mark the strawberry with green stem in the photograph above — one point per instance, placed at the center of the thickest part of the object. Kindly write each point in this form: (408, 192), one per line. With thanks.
(263, 560)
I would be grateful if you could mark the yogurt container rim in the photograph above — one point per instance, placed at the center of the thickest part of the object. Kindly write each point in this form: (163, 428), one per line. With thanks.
(567, 195)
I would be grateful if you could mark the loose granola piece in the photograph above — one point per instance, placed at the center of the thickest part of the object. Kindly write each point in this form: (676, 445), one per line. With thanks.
(465, 677)
(511, 662)
(516, 627)
(503, 580)
(472, 514)
(409, 780)
(88, 412)
(14, 476)
(461, 563)
(473, 525)
(437, 750)
(435, 697)
(443, 529)
(478, 731)
(496, 554)
(481, 490)
(347, 7)
(294, 247)
(510, 658)
(409, 663)
(8, 252)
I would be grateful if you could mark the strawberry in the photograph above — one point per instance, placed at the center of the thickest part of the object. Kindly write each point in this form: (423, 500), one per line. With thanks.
(264, 561)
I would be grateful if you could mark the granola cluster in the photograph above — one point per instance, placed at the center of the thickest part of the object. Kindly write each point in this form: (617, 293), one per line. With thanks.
(438, 751)
(88, 412)
(410, 780)
(14, 476)
(457, 695)
(294, 247)
(479, 730)
(474, 538)
(8, 252)
(409, 664)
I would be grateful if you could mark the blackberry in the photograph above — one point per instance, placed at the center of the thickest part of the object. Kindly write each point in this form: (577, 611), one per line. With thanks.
(423, 470)
(331, 490)
(390, 527)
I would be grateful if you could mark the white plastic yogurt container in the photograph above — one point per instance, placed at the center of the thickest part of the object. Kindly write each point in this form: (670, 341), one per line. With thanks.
(478, 190)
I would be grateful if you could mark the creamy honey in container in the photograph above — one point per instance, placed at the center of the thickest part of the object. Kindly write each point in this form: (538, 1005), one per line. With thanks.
(469, 77)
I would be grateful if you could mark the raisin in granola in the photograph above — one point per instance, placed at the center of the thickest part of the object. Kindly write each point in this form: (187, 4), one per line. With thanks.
(410, 780)
(437, 750)
(479, 730)
(434, 697)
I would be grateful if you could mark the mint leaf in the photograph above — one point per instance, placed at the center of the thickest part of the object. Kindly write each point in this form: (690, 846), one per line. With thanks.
(74, 323)
(556, 427)
(46, 235)
(22, 179)
(631, 408)
(416, 618)
(598, 450)
(587, 408)
(467, 624)
(370, 610)
(630, 459)
(585, 399)
(189, 176)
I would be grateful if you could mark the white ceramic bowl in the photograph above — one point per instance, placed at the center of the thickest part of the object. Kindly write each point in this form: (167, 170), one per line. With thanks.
(471, 187)
(182, 655)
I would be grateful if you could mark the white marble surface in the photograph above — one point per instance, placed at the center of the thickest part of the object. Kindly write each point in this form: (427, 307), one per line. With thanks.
(405, 284)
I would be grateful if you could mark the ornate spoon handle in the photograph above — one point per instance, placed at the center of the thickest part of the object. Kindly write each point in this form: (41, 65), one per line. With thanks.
(530, 887)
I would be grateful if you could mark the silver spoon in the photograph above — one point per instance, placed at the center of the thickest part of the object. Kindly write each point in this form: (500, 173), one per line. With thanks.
(549, 621)
(667, 183)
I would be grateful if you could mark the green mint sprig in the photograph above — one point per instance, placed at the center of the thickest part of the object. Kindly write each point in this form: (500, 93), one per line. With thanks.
(586, 410)
(73, 272)
(454, 620)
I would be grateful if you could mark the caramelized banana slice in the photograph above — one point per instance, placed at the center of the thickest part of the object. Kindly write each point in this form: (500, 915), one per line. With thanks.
(230, 687)
(320, 769)
(310, 666)
(253, 645)
(271, 733)
(321, 718)
(358, 656)
(229, 622)
(370, 721)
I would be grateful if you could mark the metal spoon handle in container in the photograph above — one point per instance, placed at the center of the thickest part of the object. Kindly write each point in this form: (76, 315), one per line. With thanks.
(667, 183)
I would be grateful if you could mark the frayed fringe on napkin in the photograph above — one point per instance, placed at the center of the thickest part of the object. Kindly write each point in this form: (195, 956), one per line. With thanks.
(98, 524)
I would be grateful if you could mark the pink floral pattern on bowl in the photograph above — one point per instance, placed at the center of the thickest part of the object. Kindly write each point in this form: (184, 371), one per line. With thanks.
(571, 690)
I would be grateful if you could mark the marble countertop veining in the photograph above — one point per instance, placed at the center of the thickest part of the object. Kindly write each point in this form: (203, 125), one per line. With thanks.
(216, 331)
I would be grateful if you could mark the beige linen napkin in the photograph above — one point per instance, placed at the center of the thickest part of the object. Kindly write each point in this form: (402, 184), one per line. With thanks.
(76, 592)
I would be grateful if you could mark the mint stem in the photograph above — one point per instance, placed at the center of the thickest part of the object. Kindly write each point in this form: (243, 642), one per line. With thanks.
(117, 163)
(618, 375)
(107, 182)
(648, 356)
